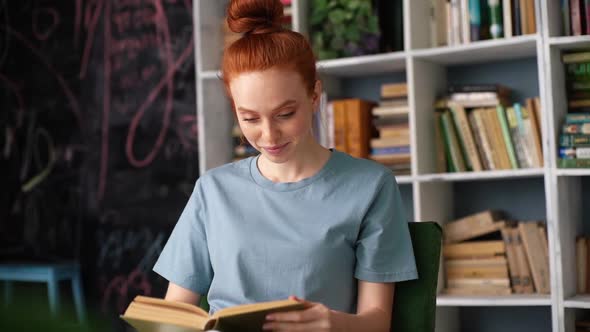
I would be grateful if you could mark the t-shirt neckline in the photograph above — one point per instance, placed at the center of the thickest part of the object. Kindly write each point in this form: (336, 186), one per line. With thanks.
(289, 186)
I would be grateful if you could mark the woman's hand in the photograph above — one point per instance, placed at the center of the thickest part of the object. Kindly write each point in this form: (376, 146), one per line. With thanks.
(315, 317)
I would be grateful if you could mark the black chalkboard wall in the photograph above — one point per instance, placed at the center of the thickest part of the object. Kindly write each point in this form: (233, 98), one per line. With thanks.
(98, 137)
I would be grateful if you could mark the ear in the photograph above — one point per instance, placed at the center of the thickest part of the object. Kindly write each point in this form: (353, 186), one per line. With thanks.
(317, 94)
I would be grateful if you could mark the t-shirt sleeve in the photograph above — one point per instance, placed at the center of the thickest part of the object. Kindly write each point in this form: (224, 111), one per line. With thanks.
(384, 249)
(185, 258)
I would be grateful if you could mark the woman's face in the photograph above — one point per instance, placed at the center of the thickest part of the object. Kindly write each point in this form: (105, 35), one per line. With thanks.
(274, 111)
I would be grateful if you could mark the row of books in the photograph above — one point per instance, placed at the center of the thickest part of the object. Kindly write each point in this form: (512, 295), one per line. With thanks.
(477, 129)
(576, 17)
(365, 129)
(487, 255)
(390, 144)
(574, 141)
(577, 80)
(455, 22)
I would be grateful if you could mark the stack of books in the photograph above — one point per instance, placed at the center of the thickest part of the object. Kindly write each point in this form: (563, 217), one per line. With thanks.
(574, 141)
(577, 80)
(391, 146)
(455, 22)
(477, 128)
(486, 255)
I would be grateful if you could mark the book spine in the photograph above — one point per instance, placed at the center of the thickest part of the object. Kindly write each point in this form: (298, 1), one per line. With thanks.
(524, 19)
(485, 139)
(531, 17)
(578, 118)
(516, 18)
(576, 16)
(574, 140)
(495, 19)
(507, 18)
(474, 19)
(575, 152)
(565, 13)
(340, 128)
(454, 148)
(506, 134)
(573, 163)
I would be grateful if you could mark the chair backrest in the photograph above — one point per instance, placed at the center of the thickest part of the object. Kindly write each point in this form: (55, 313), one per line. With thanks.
(414, 307)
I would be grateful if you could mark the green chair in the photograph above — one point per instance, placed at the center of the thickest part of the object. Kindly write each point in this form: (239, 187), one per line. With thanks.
(414, 307)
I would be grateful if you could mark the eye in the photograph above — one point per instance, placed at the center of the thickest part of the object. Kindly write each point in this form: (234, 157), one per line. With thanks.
(249, 119)
(286, 115)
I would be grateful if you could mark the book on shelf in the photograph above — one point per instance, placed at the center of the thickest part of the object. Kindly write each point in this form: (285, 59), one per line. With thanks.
(583, 264)
(574, 141)
(538, 260)
(455, 22)
(472, 226)
(148, 314)
(497, 253)
(484, 137)
(575, 17)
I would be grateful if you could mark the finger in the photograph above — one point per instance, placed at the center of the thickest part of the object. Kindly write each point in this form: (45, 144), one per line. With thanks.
(294, 316)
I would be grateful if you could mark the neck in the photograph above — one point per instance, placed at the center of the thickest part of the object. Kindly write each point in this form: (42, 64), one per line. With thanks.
(305, 163)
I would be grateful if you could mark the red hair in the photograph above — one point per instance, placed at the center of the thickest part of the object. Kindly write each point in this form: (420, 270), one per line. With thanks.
(265, 43)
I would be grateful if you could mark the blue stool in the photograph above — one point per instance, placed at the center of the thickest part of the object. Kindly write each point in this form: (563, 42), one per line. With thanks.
(51, 274)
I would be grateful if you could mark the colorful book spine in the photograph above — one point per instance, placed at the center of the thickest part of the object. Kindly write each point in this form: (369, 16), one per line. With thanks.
(506, 134)
(574, 152)
(577, 118)
(496, 30)
(574, 140)
(565, 13)
(475, 19)
(576, 128)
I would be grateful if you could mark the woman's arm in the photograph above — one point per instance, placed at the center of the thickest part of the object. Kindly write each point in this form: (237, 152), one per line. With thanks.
(177, 293)
(374, 306)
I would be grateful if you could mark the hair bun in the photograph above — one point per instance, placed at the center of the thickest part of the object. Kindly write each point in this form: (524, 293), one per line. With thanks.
(255, 16)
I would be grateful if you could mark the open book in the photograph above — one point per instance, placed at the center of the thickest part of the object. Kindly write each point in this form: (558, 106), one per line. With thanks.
(148, 314)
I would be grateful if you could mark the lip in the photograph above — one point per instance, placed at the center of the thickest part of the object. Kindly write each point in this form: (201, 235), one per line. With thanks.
(275, 150)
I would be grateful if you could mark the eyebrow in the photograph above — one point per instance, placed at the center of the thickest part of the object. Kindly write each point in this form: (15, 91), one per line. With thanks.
(282, 105)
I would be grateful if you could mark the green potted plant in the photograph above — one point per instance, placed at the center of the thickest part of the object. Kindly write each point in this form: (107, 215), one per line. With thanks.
(343, 28)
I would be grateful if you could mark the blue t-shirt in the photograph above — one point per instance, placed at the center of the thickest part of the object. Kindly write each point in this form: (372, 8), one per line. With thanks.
(243, 238)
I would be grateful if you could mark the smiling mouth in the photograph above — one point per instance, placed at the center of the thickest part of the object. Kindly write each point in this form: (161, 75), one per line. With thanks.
(275, 149)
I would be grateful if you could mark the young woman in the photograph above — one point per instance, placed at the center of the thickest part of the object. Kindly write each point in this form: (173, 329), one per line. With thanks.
(298, 219)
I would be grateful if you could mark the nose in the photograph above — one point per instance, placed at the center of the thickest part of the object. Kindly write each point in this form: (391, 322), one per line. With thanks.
(271, 133)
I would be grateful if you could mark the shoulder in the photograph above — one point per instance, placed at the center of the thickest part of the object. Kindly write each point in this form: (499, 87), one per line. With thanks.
(363, 171)
(226, 174)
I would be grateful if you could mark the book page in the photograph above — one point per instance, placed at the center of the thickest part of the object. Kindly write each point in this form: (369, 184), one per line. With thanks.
(254, 307)
(172, 304)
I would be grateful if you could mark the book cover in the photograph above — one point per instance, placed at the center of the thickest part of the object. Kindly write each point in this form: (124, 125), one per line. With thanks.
(148, 314)
(466, 138)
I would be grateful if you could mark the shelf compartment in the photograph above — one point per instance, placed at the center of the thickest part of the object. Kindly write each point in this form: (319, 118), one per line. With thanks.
(578, 302)
(494, 301)
(483, 175)
(481, 51)
(364, 65)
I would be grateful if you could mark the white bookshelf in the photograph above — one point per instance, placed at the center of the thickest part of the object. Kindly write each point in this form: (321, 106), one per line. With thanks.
(494, 301)
(434, 195)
